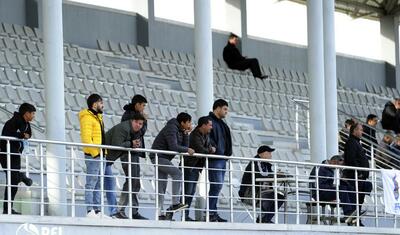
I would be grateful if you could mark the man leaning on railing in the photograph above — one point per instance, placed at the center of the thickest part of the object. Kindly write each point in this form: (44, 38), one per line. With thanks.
(18, 126)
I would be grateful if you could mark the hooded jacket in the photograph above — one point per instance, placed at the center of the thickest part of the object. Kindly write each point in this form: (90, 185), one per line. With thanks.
(128, 114)
(92, 129)
(200, 144)
(171, 138)
(15, 127)
(354, 155)
(220, 134)
(259, 166)
(391, 117)
(232, 55)
(121, 135)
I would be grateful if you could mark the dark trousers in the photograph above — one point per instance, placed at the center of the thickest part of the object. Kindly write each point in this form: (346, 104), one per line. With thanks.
(191, 176)
(16, 177)
(346, 198)
(364, 188)
(268, 204)
(135, 183)
(251, 63)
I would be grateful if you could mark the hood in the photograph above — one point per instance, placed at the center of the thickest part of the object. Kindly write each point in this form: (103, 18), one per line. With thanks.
(389, 103)
(17, 116)
(129, 107)
(174, 122)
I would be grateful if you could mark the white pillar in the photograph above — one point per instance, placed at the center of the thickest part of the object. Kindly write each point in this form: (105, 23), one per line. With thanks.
(55, 111)
(204, 73)
(203, 54)
(150, 22)
(316, 80)
(330, 79)
(243, 21)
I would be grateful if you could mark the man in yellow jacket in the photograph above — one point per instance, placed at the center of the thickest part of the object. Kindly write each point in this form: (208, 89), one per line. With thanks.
(92, 132)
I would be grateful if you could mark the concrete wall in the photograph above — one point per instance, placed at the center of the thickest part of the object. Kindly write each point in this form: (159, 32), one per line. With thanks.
(12, 11)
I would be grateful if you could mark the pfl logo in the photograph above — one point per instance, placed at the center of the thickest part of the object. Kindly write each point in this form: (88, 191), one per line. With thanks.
(31, 229)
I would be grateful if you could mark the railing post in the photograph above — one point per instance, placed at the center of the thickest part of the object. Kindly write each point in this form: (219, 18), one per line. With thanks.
(183, 212)
(297, 126)
(375, 187)
(102, 180)
(275, 195)
(317, 193)
(156, 186)
(297, 195)
(253, 192)
(9, 177)
(308, 128)
(130, 184)
(372, 156)
(41, 180)
(72, 182)
(207, 196)
(337, 179)
(357, 198)
(230, 189)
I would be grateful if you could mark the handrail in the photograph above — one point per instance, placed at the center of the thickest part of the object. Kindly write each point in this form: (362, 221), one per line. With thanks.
(182, 154)
(36, 127)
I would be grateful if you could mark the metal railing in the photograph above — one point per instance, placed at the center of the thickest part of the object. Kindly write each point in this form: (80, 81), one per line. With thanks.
(290, 180)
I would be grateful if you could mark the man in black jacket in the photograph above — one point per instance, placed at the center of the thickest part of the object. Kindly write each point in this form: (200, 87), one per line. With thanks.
(235, 60)
(220, 137)
(262, 169)
(19, 127)
(327, 187)
(199, 141)
(354, 155)
(173, 137)
(127, 134)
(370, 133)
(391, 116)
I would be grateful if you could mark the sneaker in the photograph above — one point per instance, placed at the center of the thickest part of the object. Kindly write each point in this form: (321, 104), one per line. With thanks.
(120, 215)
(188, 218)
(27, 181)
(353, 216)
(101, 215)
(139, 216)
(177, 207)
(263, 76)
(13, 212)
(165, 217)
(216, 218)
(92, 214)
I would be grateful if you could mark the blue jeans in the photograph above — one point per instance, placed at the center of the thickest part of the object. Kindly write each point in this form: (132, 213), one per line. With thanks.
(190, 179)
(216, 175)
(92, 186)
(109, 187)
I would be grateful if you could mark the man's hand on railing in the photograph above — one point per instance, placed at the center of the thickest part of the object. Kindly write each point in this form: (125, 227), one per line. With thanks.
(27, 136)
(136, 143)
(190, 151)
(212, 150)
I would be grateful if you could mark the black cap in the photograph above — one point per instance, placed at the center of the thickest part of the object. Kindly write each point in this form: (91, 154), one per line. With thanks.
(265, 148)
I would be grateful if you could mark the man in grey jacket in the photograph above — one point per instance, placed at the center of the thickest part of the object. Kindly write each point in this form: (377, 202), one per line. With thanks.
(173, 137)
(199, 141)
(127, 134)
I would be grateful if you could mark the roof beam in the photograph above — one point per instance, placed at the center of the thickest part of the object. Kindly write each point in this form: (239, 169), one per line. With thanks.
(360, 6)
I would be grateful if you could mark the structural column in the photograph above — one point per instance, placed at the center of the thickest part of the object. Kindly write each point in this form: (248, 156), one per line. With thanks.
(316, 80)
(150, 22)
(55, 111)
(330, 78)
(243, 21)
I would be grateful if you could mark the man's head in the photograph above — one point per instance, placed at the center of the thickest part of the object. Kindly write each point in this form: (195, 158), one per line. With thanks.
(220, 108)
(396, 103)
(233, 39)
(388, 137)
(336, 160)
(137, 122)
(185, 121)
(348, 123)
(139, 103)
(397, 140)
(27, 111)
(204, 124)
(95, 102)
(356, 130)
(372, 120)
(265, 152)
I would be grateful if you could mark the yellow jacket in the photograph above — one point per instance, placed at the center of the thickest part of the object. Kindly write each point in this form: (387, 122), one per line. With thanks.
(90, 131)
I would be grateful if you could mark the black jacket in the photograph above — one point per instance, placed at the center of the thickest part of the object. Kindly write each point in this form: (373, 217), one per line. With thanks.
(370, 134)
(171, 138)
(15, 127)
(232, 55)
(391, 117)
(247, 178)
(121, 135)
(216, 135)
(326, 176)
(201, 144)
(354, 155)
(129, 112)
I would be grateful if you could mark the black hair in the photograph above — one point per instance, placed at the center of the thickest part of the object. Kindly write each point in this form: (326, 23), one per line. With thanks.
(337, 158)
(232, 35)
(220, 103)
(349, 122)
(353, 127)
(203, 121)
(93, 98)
(138, 117)
(138, 99)
(371, 117)
(26, 108)
(183, 117)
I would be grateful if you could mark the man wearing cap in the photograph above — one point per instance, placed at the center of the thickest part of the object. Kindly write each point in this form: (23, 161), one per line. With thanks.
(327, 187)
(262, 169)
